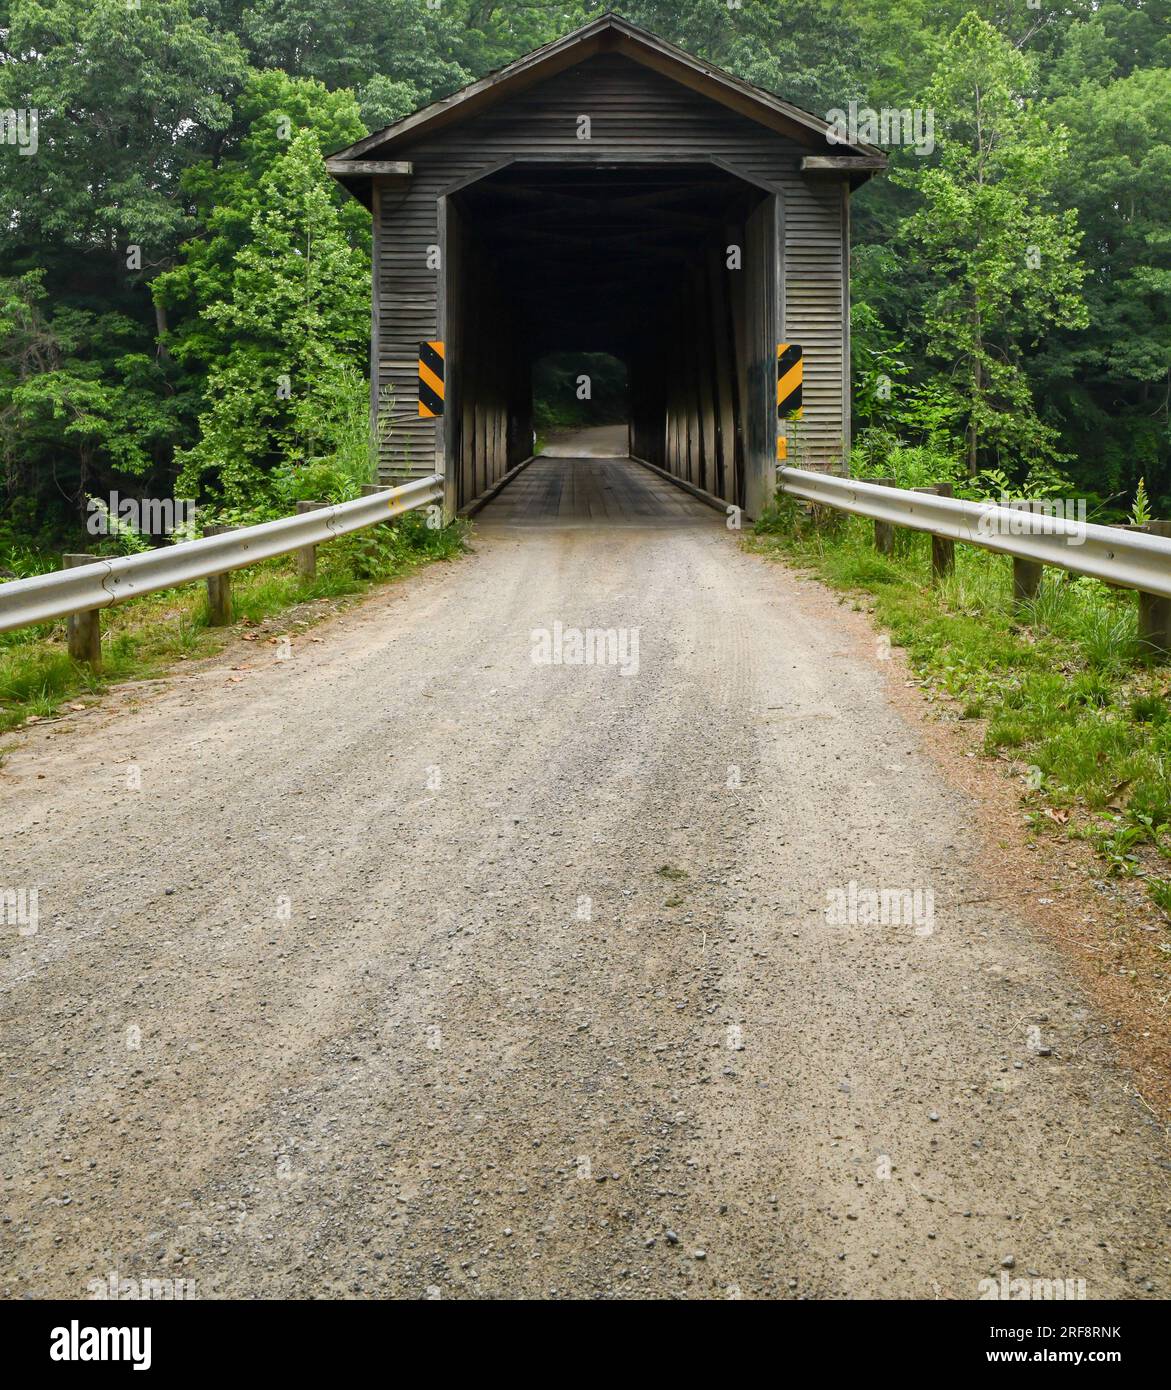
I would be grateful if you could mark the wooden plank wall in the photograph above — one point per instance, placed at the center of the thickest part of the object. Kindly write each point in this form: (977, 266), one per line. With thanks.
(484, 364)
(634, 113)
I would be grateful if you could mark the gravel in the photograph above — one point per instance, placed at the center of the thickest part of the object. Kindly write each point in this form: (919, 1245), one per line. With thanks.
(418, 981)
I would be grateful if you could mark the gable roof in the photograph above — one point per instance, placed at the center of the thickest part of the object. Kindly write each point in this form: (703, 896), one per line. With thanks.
(610, 33)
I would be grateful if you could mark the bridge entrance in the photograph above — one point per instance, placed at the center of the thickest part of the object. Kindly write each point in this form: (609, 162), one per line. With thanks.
(643, 263)
(586, 478)
(609, 193)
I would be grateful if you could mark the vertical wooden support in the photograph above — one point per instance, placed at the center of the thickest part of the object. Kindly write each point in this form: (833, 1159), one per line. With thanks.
(1026, 574)
(1154, 625)
(1026, 579)
(219, 590)
(884, 531)
(84, 629)
(943, 550)
(724, 371)
(761, 251)
(307, 555)
(1154, 612)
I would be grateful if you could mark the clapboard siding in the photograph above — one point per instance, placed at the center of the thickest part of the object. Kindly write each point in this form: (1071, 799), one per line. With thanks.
(635, 113)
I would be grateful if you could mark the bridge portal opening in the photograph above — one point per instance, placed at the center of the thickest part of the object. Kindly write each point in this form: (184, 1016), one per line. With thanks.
(665, 270)
(574, 391)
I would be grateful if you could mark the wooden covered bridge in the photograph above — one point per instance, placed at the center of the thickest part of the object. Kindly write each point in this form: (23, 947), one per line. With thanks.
(610, 193)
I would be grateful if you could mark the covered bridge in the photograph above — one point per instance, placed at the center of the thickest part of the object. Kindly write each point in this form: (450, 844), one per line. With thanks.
(609, 192)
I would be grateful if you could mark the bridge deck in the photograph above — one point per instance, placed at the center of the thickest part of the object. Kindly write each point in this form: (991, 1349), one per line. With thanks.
(569, 492)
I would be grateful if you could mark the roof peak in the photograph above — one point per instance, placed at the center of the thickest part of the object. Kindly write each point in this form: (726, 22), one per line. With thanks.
(609, 32)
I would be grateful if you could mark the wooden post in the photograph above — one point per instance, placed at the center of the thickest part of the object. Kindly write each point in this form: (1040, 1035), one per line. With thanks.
(307, 555)
(943, 550)
(884, 531)
(1026, 579)
(1154, 612)
(1026, 574)
(84, 629)
(219, 590)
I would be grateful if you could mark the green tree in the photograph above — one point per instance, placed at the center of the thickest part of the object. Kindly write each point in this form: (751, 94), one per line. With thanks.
(806, 51)
(405, 42)
(1003, 261)
(282, 343)
(225, 194)
(76, 401)
(127, 99)
(1113, 385)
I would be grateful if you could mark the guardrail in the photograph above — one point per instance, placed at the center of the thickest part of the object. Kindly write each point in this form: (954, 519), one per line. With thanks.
(90, 587)
(1126, 557)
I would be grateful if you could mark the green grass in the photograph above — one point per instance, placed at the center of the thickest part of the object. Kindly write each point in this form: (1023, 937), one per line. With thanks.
(144, 638)
(1062, 684)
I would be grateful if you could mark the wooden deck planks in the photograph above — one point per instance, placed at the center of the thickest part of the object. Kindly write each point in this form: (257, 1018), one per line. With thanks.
(586, 492)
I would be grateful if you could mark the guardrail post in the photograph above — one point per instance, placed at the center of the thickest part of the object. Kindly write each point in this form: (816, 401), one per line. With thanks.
(1026, 579)
(1026, 574)
(219, 589)
(884, 531)
(369, 489)
(84, 629)
(1154, 613)
(307, 555)
(943, 550)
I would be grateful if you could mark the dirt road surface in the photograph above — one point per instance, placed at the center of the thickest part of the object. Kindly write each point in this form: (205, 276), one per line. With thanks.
(413, 967)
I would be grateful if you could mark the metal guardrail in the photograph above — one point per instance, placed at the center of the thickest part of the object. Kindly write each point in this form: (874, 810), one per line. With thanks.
(46, 597)
(1127, 558)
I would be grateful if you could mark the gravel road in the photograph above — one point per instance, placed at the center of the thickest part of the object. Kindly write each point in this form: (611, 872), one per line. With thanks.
(410, 967)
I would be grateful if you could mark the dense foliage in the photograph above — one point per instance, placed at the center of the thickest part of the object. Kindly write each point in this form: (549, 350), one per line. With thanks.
(183, 292)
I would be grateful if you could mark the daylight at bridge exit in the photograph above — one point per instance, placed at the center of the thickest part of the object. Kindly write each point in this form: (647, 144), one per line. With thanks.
(585, 608)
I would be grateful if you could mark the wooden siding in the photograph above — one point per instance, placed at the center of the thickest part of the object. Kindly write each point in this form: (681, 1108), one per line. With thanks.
(635, 115)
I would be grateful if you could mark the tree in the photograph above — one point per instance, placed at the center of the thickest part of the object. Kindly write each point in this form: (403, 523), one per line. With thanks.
(347, 45)
(282, 343)
(1114, 385)
(127, 99)
(806, 51)
(1003, 261)
(76, 401)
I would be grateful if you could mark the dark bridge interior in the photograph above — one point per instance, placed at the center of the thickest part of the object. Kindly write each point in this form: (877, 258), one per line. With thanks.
(628, 260)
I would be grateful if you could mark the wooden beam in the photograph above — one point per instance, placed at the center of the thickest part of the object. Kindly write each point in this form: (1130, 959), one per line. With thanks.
(379, 168)
(842, 164)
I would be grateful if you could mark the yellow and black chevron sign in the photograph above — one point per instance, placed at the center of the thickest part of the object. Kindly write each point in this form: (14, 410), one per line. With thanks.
(790, 371)
(430, 380)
